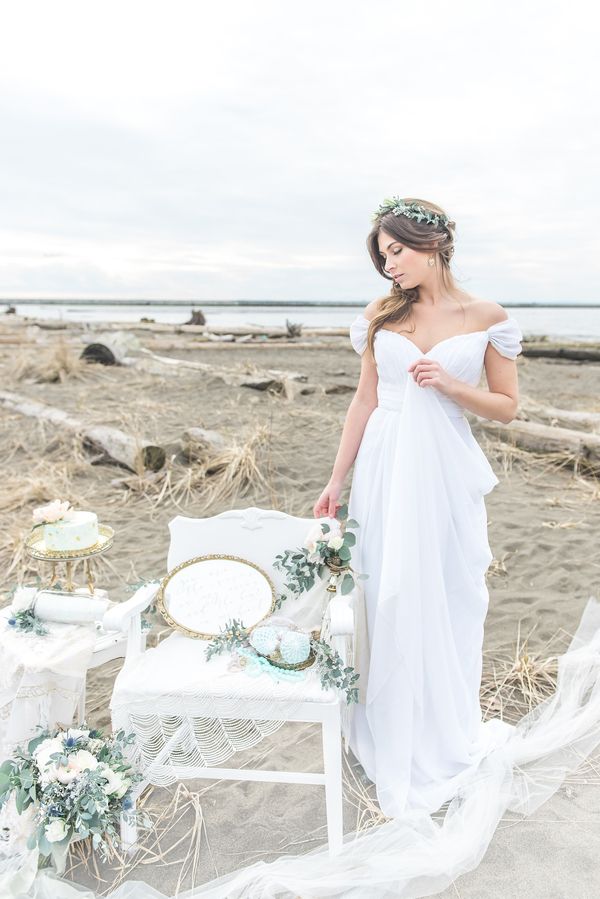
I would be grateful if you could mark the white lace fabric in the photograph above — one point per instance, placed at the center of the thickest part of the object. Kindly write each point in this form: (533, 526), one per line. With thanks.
(41, 678)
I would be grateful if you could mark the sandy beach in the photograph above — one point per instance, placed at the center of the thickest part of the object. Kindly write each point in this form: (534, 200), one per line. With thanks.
(544, 520)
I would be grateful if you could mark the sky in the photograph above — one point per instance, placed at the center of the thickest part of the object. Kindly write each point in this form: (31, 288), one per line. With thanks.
(237, 150)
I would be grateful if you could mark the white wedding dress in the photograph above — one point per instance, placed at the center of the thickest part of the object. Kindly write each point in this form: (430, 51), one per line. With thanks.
(417, 494)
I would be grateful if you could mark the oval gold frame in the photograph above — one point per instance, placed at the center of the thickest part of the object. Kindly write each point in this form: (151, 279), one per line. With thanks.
(197, 635)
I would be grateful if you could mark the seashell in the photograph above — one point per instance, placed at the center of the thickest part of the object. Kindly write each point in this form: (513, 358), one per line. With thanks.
(264, 640)
(295, 647)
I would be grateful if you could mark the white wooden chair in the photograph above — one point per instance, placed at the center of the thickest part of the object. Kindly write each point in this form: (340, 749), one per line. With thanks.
(257, 535)
(110, 645)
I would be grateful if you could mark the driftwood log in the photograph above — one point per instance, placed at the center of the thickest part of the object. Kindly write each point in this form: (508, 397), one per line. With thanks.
(271, 378)
(111, 347)
(114, 444)
(100, 353)
(564, 418)
(241, 343)
(577, 352)
(197, 318)
(197, 443)
(540, 438)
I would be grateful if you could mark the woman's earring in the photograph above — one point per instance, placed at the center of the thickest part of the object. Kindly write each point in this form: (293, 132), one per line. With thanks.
(431, 261)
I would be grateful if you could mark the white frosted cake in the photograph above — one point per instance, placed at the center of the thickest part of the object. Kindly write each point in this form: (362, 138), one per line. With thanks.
(77, 530)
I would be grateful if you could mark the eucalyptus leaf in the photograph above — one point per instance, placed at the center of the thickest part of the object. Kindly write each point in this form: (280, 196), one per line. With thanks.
(347, 585)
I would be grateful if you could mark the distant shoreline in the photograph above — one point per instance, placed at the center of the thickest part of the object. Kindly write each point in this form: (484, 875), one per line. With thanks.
(260, 304)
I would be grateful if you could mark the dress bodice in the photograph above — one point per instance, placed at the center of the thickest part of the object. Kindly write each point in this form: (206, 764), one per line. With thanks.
(461, 356)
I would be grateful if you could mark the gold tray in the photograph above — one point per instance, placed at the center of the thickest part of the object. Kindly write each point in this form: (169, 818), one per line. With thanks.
(36, 548)
(297, 666)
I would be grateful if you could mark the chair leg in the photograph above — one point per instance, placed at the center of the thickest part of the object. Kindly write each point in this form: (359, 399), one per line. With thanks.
(129, 833)
(81, 703)
(332, 759)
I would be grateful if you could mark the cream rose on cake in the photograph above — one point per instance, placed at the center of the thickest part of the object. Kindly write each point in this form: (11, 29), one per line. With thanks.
(66, 529)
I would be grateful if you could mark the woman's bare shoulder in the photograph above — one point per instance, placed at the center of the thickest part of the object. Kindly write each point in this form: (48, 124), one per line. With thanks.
(485, 313)
(373, 308)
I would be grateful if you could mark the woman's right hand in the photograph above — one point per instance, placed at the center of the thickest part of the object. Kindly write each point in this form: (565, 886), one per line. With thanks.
(328, 503)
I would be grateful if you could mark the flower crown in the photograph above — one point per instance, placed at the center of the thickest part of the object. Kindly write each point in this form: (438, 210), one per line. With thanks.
(412, 210)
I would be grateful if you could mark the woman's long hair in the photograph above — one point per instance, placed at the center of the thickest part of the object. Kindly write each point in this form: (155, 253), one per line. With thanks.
(425, 238)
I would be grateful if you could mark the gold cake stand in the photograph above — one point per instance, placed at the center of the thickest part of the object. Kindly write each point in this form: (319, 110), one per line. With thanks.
(36, 549)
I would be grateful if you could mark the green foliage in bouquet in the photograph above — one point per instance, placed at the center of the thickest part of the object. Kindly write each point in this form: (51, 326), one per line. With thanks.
(79, 784)
(325, 550)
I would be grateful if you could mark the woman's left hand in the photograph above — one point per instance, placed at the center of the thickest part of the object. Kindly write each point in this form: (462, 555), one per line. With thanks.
(429, 373)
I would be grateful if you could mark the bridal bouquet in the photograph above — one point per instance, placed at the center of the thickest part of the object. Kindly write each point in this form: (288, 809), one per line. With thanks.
(78, 784)
(325, 547)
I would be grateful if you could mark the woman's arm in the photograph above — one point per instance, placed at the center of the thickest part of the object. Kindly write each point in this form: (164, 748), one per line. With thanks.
(498, 403)
(357, 416)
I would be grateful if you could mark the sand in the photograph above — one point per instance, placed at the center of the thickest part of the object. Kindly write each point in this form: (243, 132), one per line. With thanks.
(543, 526)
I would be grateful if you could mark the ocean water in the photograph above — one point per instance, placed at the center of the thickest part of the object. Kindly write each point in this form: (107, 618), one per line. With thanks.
(576, 322)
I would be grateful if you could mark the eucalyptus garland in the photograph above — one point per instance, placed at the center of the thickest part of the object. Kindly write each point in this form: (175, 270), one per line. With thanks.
(331, 667)
(333, 672)
(233, 636)
(397, 206)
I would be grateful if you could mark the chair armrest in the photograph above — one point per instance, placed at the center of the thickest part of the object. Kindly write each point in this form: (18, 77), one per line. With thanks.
(119, 616)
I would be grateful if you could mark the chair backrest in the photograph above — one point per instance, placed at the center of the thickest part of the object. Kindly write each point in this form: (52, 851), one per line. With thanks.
(254, 534)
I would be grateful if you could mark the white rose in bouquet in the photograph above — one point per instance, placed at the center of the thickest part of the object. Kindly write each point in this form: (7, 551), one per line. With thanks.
(116, 783)
(77, 763)
(56, 830)
(84, 759)
(43, 752)
(48, 514)
(64, 775)
(314, 535)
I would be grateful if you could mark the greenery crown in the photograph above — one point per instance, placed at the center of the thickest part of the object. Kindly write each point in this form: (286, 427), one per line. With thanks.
(397, 206)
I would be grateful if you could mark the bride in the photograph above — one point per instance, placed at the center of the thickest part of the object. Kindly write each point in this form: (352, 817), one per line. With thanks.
(417, 493)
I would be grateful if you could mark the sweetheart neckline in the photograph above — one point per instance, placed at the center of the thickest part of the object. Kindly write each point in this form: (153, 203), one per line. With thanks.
(439, 343)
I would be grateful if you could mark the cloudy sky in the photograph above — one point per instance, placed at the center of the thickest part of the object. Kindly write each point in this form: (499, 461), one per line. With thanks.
(200, 150)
